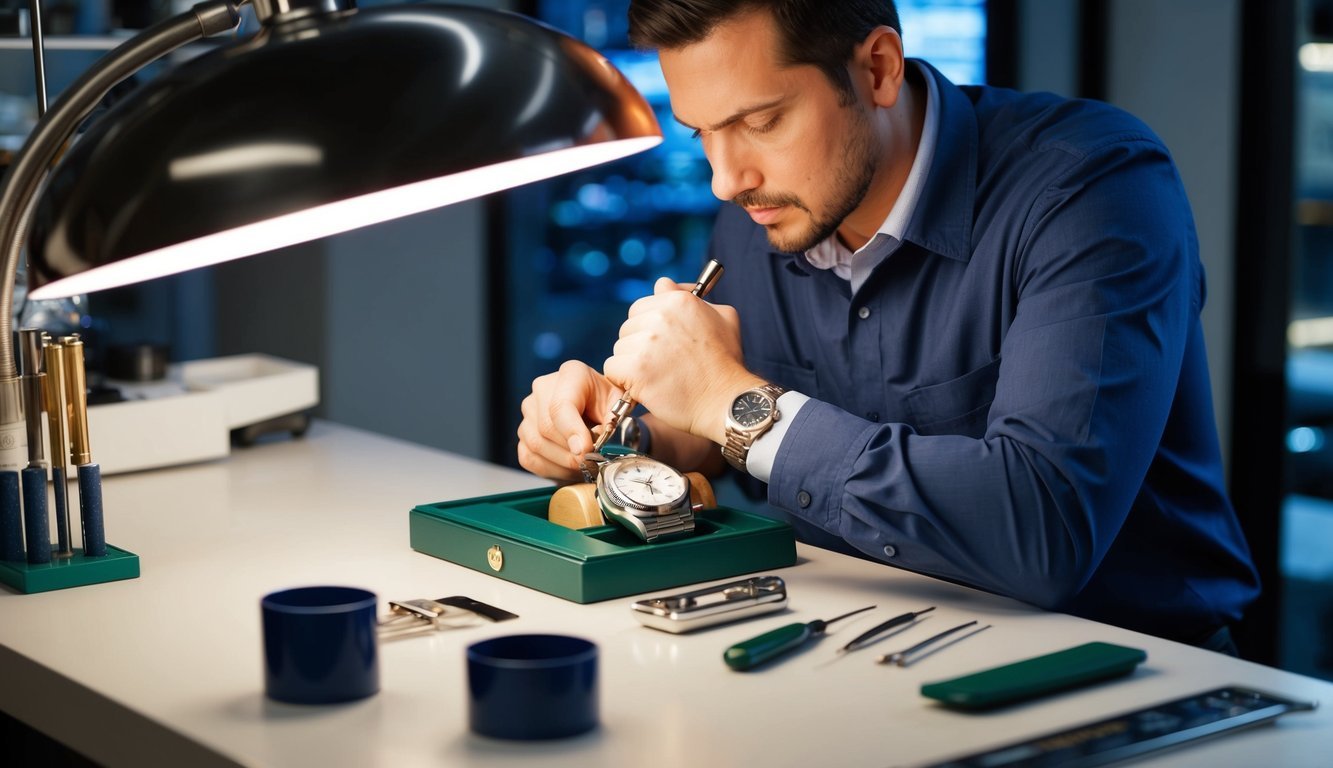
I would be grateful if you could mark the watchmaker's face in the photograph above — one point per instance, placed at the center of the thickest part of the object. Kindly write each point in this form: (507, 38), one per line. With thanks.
(781, 144)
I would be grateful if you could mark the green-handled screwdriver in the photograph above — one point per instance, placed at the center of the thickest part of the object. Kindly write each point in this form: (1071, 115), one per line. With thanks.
(772, 644)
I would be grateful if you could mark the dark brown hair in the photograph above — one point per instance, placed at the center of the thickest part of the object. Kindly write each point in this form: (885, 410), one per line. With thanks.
(821, 33)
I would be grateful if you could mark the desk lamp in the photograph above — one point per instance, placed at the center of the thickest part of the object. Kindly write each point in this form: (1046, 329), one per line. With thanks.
(326, 120)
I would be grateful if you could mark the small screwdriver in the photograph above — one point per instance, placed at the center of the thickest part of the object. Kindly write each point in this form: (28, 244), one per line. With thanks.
(774, 643)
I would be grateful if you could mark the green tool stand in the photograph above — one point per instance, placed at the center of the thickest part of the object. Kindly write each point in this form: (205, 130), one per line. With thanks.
(76, 571)
(508, 536)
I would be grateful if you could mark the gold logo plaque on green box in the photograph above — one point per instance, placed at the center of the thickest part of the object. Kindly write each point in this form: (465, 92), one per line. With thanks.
(508, 536)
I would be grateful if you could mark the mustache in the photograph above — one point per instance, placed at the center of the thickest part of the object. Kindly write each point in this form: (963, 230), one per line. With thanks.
(752, 199)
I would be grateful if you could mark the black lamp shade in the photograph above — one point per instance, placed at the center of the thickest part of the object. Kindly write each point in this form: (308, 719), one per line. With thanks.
(323, 125)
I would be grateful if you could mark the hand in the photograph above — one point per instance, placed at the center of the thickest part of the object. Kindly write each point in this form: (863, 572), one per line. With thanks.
(681, 358)
(554, 433)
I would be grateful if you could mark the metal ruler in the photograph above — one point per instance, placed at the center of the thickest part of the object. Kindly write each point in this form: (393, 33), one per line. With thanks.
(1136, 733)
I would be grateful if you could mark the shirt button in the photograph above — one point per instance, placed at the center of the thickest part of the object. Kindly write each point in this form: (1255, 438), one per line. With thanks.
(863, 312)
(873, 415)
(890, 550)
(803, 498)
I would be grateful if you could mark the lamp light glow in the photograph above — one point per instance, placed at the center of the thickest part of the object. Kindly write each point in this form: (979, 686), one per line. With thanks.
(328, 119)
(342, 216)
(324, 122)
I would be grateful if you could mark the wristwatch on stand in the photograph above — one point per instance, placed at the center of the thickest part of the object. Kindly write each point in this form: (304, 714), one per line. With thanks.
(647, 496)
(752, 413)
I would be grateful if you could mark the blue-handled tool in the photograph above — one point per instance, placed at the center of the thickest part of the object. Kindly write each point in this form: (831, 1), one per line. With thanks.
(11, 518)
(37, 526)
(775, 643)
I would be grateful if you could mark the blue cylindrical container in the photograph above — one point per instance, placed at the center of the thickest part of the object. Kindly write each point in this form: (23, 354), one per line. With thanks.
(320, 645)
(532, 686)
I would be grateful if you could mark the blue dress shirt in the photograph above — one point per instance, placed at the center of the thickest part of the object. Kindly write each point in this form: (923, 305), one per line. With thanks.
(1017, 397)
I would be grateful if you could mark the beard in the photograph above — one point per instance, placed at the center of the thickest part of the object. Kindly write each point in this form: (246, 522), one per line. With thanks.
(851, 181)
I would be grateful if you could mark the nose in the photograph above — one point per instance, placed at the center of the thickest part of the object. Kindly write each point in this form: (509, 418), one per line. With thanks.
(734, 171)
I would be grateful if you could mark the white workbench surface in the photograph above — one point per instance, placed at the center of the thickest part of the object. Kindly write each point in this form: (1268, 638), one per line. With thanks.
(166, 669)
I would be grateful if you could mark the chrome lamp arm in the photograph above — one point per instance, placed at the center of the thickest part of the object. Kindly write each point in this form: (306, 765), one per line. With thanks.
(23, 180)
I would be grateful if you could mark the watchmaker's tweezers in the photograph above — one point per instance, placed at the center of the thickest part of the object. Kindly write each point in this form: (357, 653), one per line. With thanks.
(909, 655)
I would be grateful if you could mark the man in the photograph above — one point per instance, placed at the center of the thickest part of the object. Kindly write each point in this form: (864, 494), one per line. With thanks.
(984, 307)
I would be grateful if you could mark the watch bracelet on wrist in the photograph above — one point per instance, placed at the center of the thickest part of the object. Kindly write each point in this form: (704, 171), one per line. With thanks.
(736, 449)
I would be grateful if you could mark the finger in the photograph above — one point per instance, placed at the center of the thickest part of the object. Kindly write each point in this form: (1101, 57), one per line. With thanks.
(572, 396)
(667, 285)
(620, 368)
(542, 467)
(544, 452)
(636, 324)
(531, 438)
(727, 313)
(645, 305)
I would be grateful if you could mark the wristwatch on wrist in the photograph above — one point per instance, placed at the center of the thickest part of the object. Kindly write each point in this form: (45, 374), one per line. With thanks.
(752, 413)
(650, 498)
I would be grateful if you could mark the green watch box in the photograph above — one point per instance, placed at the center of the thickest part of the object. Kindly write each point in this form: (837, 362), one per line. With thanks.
(508, 536)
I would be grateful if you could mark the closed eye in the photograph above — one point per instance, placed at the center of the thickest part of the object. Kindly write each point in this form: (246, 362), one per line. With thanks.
(766, 127)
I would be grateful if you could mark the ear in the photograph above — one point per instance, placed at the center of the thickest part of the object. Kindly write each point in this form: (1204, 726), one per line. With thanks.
(879, 61)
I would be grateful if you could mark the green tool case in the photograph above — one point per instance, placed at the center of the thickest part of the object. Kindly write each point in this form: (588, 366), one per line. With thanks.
(508, 536)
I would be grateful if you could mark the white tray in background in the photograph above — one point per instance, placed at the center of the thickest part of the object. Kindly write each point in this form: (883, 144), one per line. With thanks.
(220, 395)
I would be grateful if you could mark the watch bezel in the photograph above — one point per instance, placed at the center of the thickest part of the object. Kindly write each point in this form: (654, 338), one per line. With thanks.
(772, 415)
(606, 481)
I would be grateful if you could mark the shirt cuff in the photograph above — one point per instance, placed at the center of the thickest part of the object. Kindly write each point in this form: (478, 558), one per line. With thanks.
(764, 451)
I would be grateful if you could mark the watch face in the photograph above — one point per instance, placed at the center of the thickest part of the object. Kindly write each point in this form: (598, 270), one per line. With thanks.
(647, 482)
(751, 409)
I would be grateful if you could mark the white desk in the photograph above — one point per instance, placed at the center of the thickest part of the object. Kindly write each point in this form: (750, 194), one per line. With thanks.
(166, 669)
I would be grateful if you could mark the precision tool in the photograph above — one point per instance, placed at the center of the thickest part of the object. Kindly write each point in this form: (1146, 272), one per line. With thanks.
(53, 391)
(712, 271)
(11, 518)
(904, 657)
(1130, 735)
(707, 607)
(80, 453)
(897, 621)
(34, 475)
(408, 618)
(774, 643)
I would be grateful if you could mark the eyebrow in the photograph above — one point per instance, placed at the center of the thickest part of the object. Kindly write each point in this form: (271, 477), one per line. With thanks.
(740, 114)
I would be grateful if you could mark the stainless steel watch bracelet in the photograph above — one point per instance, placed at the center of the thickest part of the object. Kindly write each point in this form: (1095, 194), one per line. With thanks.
(736, 449)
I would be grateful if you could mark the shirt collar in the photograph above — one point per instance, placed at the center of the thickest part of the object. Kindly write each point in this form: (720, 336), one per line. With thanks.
(941, 221)
(831, 253)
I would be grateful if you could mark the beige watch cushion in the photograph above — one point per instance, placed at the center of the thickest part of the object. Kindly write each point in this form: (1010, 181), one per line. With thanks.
(575, 506)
